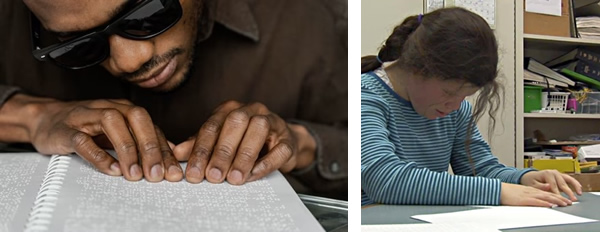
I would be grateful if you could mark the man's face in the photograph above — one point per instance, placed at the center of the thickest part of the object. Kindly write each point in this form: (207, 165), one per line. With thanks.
(160, 63)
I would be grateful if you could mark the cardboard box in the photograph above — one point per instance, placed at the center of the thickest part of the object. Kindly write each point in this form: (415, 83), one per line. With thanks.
(561, 165)
(589, 181)
(541, 24)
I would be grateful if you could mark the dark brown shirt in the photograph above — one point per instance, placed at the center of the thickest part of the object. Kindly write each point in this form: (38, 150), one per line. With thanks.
(289, 55)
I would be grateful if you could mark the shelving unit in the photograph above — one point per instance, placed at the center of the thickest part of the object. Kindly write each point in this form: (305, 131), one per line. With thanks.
(554, 126)
(572, 116)
(557, 40)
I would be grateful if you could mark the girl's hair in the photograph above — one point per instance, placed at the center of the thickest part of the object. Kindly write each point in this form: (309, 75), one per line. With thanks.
(449, 44)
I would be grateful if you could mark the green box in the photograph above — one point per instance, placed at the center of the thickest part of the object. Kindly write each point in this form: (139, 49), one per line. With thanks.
(533, 98)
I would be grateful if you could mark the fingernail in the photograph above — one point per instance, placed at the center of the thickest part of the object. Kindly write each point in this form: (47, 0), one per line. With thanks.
(135, 171)
(174, 173)
(115, 168)
(235, 176)
(173, 170)
(215, 174)
(194, 174)
(157, 172)
(553, 206)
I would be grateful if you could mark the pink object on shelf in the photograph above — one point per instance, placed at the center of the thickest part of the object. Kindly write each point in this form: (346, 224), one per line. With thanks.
(572, 104)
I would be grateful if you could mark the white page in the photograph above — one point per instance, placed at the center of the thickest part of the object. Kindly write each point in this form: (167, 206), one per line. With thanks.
(20, 177)
(426, 227)
(506, 217)
(484, 8)
(549, 7)
(432, 5)
(92, 201)
(595, 193)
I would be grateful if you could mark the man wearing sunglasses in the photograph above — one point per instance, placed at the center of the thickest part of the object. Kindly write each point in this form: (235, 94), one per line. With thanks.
(237, 88)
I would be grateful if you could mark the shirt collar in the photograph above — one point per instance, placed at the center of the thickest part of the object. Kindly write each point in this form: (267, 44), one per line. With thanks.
(235, 15)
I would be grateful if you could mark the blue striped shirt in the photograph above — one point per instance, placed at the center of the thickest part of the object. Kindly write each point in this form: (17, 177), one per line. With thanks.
(405, 156)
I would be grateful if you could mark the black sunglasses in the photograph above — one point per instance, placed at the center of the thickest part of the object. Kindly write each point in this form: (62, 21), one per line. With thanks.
(146, 20)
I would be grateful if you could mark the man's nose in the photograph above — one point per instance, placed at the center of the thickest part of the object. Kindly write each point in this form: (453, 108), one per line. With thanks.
(127, 56)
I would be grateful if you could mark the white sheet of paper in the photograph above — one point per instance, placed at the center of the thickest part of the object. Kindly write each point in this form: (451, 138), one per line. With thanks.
(505, 217)
(426, 227)
(550, 7)
(484, 8)
(595, 193)
(434, 5)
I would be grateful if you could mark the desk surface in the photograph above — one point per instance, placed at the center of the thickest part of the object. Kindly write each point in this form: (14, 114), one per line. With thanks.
(589, 207)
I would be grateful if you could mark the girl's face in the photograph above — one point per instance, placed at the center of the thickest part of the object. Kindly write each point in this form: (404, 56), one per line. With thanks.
(434, 98)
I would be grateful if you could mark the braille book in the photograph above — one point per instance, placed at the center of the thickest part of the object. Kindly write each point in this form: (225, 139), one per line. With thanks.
(65, 193)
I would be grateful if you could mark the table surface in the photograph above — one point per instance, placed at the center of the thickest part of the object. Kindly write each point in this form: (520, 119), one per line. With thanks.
(400, 214)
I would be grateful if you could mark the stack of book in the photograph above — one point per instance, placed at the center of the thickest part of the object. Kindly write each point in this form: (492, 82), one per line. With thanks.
(536, 73)
(588, 27)
(581, 65)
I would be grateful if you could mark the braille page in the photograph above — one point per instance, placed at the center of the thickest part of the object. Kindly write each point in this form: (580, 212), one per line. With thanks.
(20, 177)
(92, 201)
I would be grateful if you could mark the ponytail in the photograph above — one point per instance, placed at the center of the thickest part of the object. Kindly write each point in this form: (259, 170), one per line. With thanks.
(392, 48)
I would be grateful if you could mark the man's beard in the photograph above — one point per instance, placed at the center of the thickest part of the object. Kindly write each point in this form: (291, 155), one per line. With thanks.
(189, 71)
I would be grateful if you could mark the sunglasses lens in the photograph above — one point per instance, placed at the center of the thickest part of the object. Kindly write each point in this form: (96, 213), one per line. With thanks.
(81, 53)
(153, 18)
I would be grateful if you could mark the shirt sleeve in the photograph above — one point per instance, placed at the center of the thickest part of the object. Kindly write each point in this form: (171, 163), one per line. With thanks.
(6, 92)
(484, 162)
(388, 179)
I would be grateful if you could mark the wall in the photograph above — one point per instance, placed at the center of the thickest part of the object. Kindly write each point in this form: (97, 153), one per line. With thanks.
(378, 18)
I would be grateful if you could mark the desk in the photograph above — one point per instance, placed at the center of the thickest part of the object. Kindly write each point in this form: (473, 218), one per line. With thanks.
(589, 207)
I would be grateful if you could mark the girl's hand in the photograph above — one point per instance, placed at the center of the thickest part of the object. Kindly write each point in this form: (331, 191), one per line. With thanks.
(519, 195)
(552, 181)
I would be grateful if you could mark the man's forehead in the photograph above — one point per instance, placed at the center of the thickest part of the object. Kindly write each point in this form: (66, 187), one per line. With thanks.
(74, 15)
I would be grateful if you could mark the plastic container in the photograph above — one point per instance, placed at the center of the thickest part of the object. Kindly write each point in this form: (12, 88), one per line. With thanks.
(533, 98)
(587, 103)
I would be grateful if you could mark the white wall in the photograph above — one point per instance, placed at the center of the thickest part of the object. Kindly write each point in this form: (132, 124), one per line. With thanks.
(378, 18)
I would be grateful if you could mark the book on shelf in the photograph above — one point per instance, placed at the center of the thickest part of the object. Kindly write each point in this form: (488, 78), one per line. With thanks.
(588, 69)
(577, 76)
(540, 84)
(536, 67)
(576, 54)
(536, 79)
(581, 3)
(65, 193)
(572, 21)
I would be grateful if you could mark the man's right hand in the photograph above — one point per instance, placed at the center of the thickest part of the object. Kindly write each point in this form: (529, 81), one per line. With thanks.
(521, 195)
(67, 127)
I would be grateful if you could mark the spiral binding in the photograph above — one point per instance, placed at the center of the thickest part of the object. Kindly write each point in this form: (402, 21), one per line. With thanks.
(41, 212)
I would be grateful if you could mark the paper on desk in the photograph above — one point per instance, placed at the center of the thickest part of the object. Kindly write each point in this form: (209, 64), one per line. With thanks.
(595, 193)
(426, 227)
(551, 7)
(505, 217)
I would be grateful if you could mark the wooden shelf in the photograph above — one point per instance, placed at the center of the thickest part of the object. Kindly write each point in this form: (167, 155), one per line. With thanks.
(560, 40)
(558, 143)
(551, 115)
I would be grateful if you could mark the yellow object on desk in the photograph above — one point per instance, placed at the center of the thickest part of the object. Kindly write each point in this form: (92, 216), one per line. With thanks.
(561, 165)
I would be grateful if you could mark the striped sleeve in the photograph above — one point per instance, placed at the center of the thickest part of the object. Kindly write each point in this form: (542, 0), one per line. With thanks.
(388, 179)
(485, 163)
